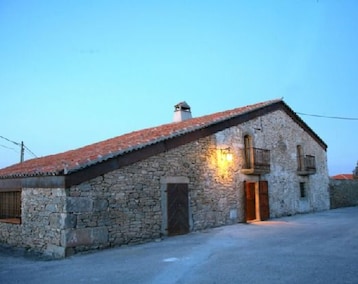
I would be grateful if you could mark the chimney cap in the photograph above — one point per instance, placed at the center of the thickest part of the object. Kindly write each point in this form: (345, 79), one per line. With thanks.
(182, 112)
(182, 106)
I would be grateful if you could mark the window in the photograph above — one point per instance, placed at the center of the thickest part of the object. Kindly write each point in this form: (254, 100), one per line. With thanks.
(306, 164)
(300, 163)
(302, 190)
(10, 206)
(248, 151)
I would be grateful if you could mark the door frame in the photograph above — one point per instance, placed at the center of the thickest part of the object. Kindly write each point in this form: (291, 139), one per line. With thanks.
(261, 198)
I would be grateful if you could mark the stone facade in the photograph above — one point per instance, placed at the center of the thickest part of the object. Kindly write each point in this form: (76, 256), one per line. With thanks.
(127, 206)
(282, 135)
(43, 219)
(343, 193)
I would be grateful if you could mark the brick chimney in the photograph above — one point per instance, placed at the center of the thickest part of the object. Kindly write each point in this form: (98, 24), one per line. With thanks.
(181, 112)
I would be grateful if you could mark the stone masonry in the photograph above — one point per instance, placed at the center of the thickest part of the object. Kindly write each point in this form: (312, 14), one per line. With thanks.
(343, 193)
(43, 218)
(125, 207)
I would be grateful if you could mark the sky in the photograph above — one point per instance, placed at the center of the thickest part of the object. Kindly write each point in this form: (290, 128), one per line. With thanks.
(73, 73)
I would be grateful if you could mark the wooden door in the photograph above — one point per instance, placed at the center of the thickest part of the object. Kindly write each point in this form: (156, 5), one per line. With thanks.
(178, 209)
(264, 201)
(250, 201)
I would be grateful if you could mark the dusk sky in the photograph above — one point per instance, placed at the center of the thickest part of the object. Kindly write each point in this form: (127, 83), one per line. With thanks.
(77, 72)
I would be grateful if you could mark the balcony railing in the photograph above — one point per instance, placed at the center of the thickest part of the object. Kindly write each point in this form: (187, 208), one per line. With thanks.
(256, 161)
(306, 165)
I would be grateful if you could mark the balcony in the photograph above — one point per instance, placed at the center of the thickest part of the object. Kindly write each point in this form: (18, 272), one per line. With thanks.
(256, 161)
(306, 165)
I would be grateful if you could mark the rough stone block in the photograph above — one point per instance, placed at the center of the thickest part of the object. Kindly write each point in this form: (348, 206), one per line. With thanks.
(84, 236)
(62, 220)
(53, 251)
(100, 205)
(51, 208)
(79, 204)
(57, 192)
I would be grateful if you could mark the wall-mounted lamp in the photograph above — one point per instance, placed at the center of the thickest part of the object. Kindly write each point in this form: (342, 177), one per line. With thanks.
(226, 153)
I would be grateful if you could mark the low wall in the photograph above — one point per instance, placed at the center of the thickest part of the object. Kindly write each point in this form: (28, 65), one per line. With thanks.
(343, 193)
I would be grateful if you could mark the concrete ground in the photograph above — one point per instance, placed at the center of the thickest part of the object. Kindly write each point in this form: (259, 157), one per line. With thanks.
(311, 248)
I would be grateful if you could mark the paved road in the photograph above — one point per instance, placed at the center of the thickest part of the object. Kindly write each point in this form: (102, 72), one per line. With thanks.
(311, 248)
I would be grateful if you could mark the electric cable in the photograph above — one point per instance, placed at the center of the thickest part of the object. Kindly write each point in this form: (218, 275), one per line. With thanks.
(326, 116)
(17, 144)
(9, 148)
(32, 153)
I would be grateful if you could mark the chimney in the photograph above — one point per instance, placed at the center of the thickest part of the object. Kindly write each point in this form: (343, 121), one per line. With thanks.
(181, 112)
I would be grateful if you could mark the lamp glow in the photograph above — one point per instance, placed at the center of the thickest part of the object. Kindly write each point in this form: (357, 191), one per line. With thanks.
(226, 154)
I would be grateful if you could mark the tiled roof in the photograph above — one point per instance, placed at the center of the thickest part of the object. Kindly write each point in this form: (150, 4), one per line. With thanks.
(74, 160)
(343, 176)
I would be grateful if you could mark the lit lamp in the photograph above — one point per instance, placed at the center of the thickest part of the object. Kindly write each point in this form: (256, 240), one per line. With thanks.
(227, 154)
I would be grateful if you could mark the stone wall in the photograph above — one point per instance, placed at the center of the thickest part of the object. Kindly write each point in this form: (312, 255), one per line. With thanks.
(126, 206)
(343, 193)
(281, 135)
(42, 219)
(11, 234)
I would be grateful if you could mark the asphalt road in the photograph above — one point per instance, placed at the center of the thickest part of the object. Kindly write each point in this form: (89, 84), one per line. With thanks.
(310, 248)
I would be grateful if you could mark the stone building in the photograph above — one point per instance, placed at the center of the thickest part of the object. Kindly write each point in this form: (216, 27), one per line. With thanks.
(251, 163)
(355, 172)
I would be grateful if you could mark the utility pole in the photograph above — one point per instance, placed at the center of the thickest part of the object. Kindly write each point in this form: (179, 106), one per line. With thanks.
(22, 146)
(22, 152)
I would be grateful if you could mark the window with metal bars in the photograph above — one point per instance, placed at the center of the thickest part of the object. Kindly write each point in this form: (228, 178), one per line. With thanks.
(10, 207)
(303, 192)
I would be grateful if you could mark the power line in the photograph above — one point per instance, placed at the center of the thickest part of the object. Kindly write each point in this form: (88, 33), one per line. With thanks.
(326, 116)
(22, 148)
(13, 142)
(28, 150)
(8, 148)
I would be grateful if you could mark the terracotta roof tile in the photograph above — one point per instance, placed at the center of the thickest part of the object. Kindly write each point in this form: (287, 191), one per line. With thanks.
(343, 176)
(73, 160)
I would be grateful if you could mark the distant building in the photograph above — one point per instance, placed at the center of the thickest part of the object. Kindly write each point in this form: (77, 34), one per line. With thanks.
(343, 176)
(355, 172)
(354, 175)
(344, 190)
(251, 163)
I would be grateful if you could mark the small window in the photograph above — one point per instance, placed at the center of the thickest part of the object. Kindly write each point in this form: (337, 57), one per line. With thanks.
(300, 162)
(302, 190)
(248, 152)
(10, 207)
